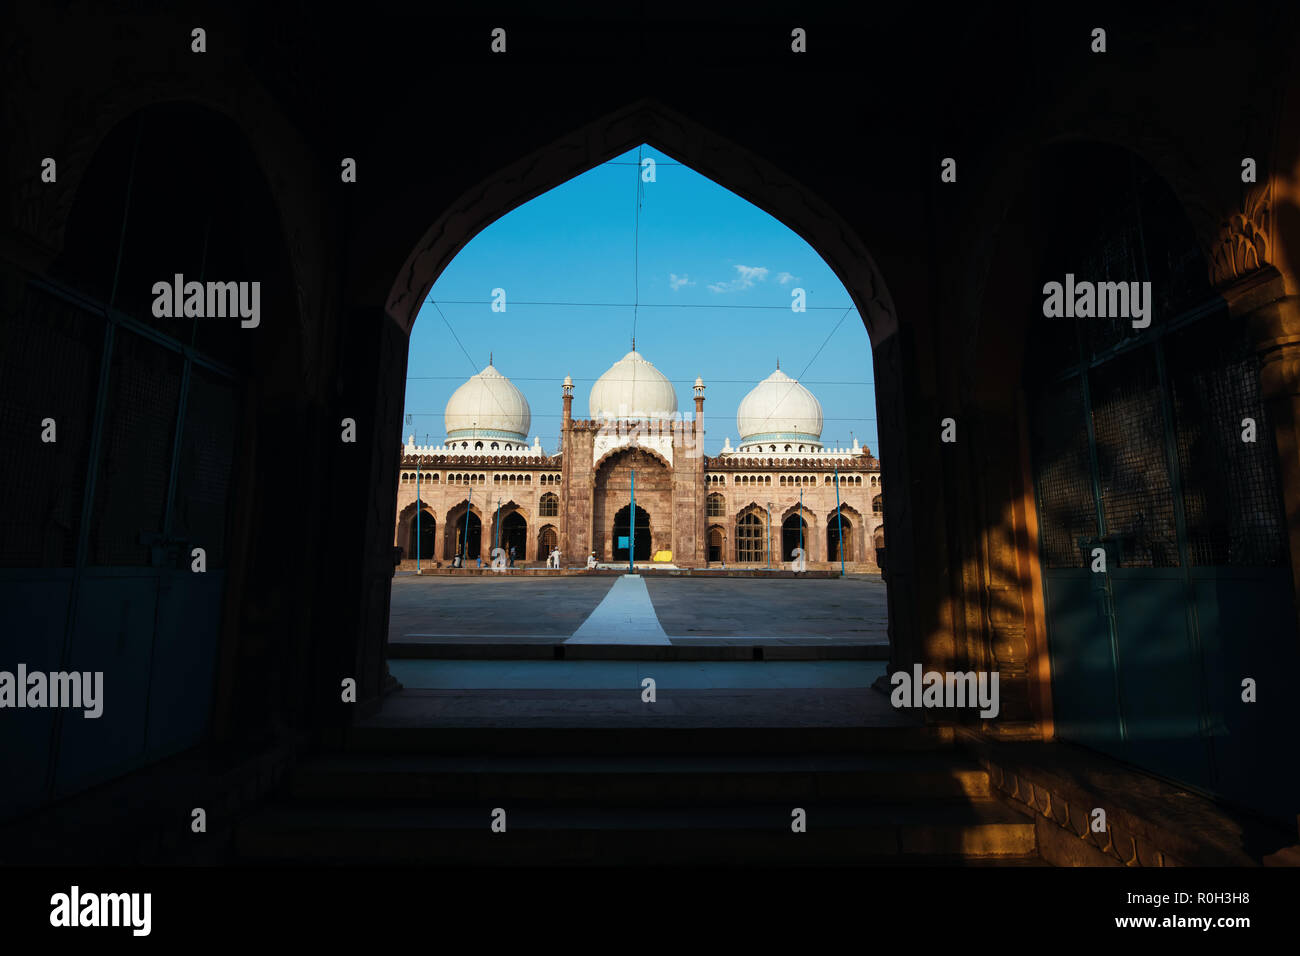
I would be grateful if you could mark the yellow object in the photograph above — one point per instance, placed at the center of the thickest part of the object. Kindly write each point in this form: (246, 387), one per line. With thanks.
(663, 556)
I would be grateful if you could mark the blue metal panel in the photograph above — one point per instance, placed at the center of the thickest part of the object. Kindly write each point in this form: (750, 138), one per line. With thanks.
(33, 615)
(113, 633)
(1083, 671)
(1244, 617)
(1160, 679)
(184, 659)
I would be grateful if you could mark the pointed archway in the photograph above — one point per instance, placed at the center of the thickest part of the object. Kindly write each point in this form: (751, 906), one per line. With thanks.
(422, 535)
(463, 533)
(640, 534)
(839, 537)
(794, 534)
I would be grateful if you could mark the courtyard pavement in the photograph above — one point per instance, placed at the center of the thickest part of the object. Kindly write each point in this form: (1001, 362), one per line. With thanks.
(637, 610)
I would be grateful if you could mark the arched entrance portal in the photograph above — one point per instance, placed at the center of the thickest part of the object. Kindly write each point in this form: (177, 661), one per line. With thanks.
(641, 541)
(839, 531)
(631, 474)
(464, 530)
(422, 534)
(547, 539)
(794, 534)
(514, 534)
(715, 543)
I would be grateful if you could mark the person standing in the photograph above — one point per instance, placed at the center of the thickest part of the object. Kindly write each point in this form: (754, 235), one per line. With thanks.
(512, 556)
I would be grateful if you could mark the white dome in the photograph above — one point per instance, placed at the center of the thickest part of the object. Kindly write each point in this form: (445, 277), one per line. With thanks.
(779, 410)
(633, 389)
(488, 406)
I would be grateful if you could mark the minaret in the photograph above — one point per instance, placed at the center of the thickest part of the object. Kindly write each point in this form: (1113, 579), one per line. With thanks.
(566, 467)
(701, 535)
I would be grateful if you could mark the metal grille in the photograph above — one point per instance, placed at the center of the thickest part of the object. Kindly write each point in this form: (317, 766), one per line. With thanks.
(1117, 260)
(749, 539)
(1133, 472)
(1064, 469)
(139, 428)
(50, 351)
(1231, 495)
(206, 459)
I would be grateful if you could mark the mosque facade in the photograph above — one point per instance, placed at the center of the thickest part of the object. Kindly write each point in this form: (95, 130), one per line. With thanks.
(633, 476)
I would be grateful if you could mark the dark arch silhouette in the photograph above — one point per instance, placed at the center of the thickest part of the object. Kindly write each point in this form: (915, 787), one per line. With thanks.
(513, 534)
(458, 540)
(794, 534)
(837, 525)
(641, 543)
(421, 544)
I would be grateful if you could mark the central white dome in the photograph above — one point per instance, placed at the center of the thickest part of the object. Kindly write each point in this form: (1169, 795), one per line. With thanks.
(488, 406)
(778, 410)
(633, 389)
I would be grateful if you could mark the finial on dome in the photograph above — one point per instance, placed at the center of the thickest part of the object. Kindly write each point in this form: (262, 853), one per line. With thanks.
(778, 364)
(489, 358)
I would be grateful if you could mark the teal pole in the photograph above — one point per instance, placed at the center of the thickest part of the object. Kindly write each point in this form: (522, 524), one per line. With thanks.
(631, 527)
(769, 535)
(839, 520)
(805, 557)
(418, 509)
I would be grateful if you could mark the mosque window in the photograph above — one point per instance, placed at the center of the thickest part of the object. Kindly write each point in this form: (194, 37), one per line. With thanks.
(771, 448)
(550, 506)
(434, 478)
(478, 446)
(717, 506)
(877, 505)
(749, 538)
(495, 446)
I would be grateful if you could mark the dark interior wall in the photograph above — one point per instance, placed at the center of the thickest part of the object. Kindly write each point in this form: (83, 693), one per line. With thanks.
(859, 126)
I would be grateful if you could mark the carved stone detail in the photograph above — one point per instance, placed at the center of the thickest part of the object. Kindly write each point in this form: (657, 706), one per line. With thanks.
(1241, 246)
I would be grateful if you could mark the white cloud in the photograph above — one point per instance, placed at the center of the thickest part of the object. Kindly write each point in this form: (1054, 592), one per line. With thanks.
(747, 276)
(785, 277)
(676, 282)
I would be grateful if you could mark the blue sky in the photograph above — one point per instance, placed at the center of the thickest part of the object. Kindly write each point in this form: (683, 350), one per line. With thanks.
(697, 244)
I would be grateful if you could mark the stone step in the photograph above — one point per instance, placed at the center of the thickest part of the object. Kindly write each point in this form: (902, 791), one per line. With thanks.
(983, 830)
(552, 648)
(376, 737)
(607, 780)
